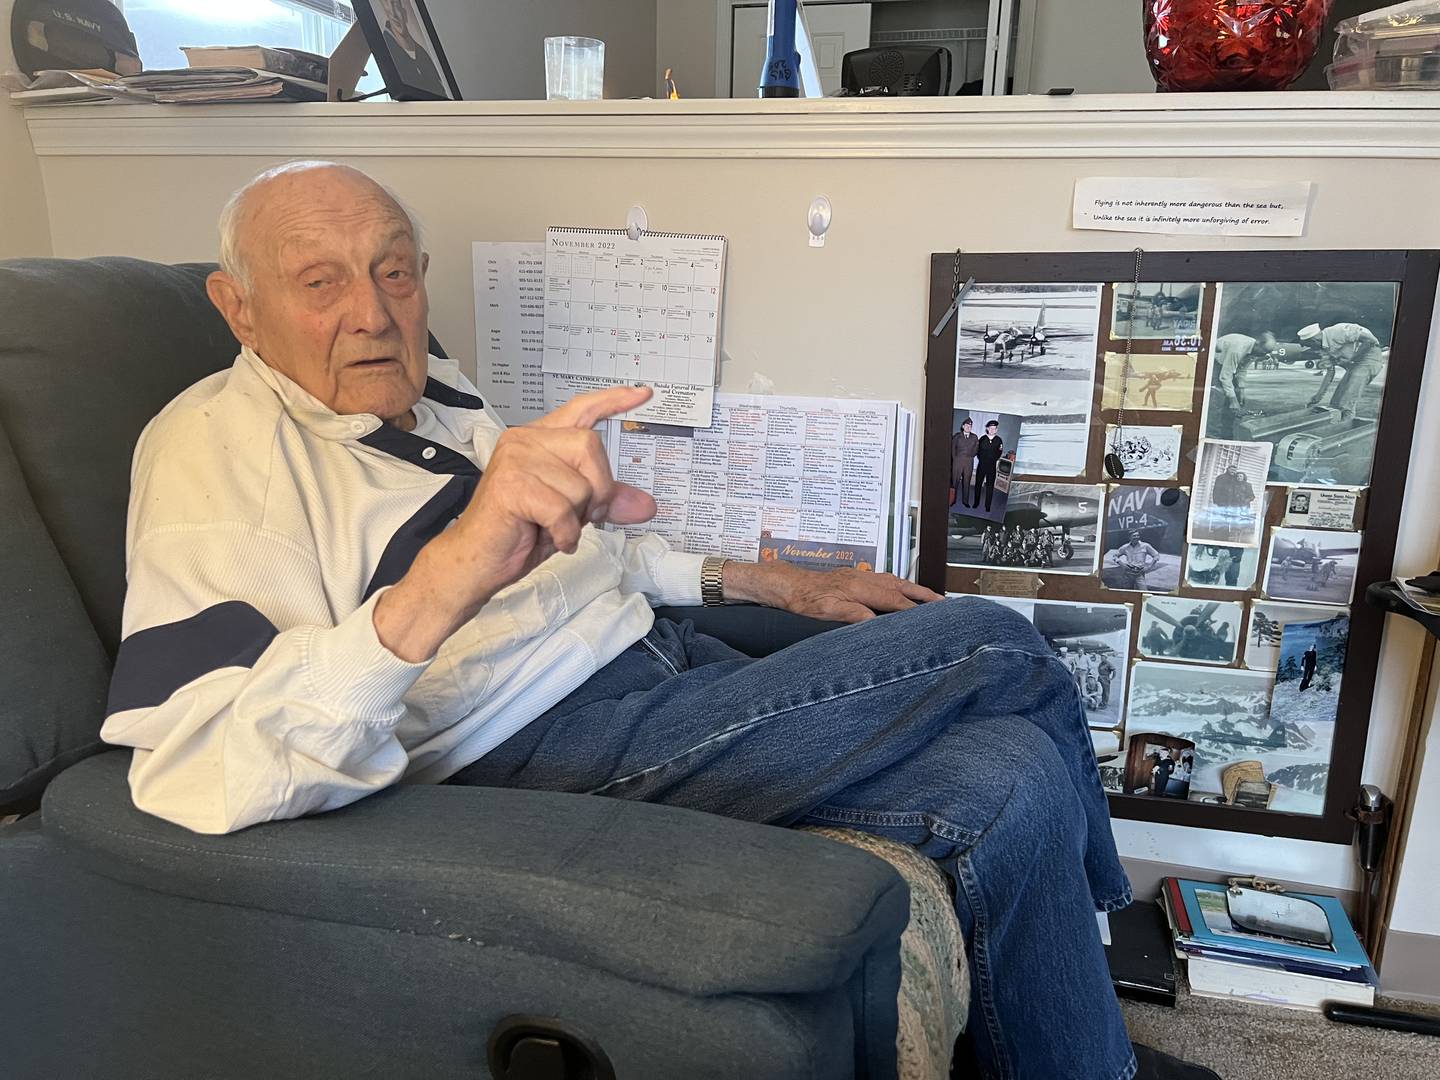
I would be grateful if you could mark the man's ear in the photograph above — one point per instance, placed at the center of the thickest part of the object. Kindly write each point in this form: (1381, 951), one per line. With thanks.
(424, 263)
(226, 295)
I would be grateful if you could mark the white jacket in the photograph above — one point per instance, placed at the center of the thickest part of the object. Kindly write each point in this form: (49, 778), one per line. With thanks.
(262, 529)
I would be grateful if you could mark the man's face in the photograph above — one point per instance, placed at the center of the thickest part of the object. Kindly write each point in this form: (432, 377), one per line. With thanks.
(992, 429)
(337, 299)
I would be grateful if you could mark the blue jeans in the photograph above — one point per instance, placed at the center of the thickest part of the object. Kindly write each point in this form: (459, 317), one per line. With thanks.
(951, 727)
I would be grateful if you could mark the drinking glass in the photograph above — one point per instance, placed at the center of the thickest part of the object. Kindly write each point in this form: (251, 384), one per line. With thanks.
(574, 68)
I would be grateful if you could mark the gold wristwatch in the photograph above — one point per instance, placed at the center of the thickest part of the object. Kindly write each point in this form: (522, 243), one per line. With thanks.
(712, 581)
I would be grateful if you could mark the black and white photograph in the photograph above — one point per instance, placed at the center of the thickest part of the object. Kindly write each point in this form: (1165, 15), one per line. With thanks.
(1226, 713)
(1155, 311)
(1093, 642)
(1148, 453)
(1189, 630)
(1050, 527)
(1144, 538)
(1155, 383)
(1228, 506)
(1307, 680)
(1208, 566)
(1312, 565)
(1302, 366)
(982, 458)
(1030, 350)
(407, 50)
(1159, 766)
(1266, 624)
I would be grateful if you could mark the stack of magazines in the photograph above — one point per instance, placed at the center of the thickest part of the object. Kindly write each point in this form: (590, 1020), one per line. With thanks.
(220, 73)
(1226, 960)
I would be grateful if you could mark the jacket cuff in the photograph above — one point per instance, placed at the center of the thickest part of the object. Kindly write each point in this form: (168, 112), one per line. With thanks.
(677, 579)
(355, 673)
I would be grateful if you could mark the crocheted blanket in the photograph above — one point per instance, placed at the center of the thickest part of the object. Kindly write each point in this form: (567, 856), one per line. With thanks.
(934, 978)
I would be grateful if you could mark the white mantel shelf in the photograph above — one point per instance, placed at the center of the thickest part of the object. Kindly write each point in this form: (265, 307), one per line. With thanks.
(1318, 124)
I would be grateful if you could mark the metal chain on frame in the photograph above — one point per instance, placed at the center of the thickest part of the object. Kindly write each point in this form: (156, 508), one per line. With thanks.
(1113, 465)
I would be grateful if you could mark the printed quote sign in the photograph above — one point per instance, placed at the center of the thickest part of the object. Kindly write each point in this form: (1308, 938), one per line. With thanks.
(1191, 206)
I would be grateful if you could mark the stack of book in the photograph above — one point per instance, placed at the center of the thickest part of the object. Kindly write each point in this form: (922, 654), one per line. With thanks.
(1224, 960)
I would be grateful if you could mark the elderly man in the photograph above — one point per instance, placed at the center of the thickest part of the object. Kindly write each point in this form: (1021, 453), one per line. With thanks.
(343, 574)
(1355, 349)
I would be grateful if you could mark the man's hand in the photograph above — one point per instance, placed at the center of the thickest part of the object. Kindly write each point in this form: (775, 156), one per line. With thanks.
(834, 595)
(543, 484)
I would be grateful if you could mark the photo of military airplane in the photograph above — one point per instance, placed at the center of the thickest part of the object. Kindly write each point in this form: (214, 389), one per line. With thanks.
(1176, 628)
(1312, 565)
(1014, 343)
(1159, 310)
(1054, 527)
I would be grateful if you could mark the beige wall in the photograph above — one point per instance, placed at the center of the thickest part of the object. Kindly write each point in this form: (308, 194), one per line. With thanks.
(685, 41)
(1094, 47)
(24, 226)
(848, 319)
(496, 47)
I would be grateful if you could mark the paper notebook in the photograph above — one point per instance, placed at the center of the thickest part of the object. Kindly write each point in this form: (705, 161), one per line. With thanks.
(624, 311)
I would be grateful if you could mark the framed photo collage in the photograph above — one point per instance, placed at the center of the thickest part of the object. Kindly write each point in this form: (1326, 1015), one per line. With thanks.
(1183, 468)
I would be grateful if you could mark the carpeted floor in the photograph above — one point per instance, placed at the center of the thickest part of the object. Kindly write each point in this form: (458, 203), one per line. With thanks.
(1257, 1042)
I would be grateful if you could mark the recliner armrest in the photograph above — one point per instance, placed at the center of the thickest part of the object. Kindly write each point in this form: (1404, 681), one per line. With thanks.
(671, 897)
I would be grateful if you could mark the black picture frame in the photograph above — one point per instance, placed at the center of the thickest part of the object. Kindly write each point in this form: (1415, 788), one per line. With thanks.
(405, 77)
(1417, 273)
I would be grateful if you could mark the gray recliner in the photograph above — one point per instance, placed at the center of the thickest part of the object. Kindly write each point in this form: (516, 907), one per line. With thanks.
(423, 932)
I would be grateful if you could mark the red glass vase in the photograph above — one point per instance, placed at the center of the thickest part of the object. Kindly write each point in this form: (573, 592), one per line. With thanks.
(1226, 45)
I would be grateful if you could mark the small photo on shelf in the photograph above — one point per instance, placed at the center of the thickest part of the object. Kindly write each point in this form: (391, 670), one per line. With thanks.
(1144, 538)
(1154, 311)
(1229, 495)
(1054, 528)
(1156, 383)
(1313, 566)
(1188, 630)
(1159, 766)
(1208, 566)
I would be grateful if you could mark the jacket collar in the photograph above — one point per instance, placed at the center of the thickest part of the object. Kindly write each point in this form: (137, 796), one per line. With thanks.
(315, 416)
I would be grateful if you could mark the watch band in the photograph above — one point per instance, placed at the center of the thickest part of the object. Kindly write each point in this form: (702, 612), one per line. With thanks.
(712, 581)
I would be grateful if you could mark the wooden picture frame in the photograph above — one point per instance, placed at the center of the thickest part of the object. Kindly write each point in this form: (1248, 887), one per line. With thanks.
(1415, 272)
(423, 75)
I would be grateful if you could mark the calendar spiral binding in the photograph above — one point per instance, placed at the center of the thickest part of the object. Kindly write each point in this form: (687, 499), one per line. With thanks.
(648, 232)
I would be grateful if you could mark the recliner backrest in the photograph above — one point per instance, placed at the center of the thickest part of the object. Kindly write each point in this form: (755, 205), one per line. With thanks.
(90, 351)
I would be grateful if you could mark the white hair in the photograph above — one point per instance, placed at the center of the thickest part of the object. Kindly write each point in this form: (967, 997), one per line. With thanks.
(232, 259)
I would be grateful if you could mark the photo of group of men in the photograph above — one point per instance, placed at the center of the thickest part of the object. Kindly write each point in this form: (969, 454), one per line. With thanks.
(1093, 642)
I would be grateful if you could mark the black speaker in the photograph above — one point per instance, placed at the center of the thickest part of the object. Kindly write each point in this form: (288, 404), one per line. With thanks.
(897, 70)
